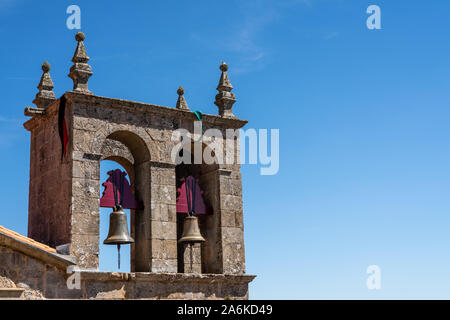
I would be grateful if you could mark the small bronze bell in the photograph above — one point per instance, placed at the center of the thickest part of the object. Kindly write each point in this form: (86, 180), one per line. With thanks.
(118, 228)
(191, 231)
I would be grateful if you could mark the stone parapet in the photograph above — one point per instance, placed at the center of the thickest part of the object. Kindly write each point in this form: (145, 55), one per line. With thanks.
(147, 285)
(140, 107)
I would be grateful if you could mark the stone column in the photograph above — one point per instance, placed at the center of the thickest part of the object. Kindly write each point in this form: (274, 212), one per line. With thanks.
(163, 234)
(231, 221)
(50, 187)
(141, 221)
(210, 225)
(85, 231)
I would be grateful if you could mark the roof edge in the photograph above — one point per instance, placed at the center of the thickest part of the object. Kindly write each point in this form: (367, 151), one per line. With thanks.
(55, 259)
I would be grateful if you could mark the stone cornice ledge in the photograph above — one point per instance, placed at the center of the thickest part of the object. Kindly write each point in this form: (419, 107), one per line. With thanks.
(96, 275)
(40, 115)
(140, 107)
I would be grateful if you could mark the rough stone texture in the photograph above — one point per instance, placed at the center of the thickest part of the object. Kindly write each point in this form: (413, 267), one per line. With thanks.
(30, 294)
(163, 228)
(41, 280)
(225, 98)
(192, 258)
(117, 294)
(80, 72)
(116, 151)
(164, 286)
(210, 225)
(49, 219)
(45, 96)
(6, 283)
(181, 102)
(64, 197)
(38, 278)
(232, 229)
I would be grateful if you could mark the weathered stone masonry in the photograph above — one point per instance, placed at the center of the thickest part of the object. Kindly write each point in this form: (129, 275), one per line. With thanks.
(45, 273)
(65, 193)
(91, 128)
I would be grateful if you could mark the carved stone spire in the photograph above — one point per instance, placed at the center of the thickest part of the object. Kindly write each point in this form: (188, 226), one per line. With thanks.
(225, 98)
(181, 102)
(80, 71)
(45, 96)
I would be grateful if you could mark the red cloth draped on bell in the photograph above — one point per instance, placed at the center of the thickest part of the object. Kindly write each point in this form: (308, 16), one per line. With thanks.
(118, 183)
(190, 199)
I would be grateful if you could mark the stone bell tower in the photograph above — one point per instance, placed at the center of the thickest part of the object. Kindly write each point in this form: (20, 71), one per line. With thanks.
(71, 135)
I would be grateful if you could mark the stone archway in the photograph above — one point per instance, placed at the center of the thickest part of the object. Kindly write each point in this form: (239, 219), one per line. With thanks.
(116, 151)
(208, 253)
(132, 153)
(129, 150)
(119, 154)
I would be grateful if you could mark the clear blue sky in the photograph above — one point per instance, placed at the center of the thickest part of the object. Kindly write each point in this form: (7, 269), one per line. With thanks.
(363, 116)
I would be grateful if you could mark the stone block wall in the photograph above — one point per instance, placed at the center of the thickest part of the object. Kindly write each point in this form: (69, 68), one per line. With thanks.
(210, 225)
(35, 274)
(65, 195)
(51, 282)
(163, 224)
(50, 195)
(191, 258)
(232, 226)
(85, 209)
(138, 136)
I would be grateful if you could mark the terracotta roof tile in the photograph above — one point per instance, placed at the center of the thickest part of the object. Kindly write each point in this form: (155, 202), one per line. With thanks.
(27, 240)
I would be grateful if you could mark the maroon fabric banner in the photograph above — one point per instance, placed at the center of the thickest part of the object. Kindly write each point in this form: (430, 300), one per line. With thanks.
(190, 186)
(126, 197)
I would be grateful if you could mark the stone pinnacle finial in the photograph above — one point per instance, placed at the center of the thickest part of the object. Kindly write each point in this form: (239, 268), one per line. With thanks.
(80, 72)
(45, 66)
(181, 102)
(225, 98)
(45, 96)
(80, 36)
(223, 66)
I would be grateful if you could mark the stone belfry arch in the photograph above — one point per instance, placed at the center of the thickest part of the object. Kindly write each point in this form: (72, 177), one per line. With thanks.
(72, 134)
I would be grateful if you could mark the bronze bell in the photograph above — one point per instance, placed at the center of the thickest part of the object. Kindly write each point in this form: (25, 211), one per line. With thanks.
(118, 228)
(191, 231)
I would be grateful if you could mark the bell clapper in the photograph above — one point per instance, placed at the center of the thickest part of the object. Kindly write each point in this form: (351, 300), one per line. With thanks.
(118, 255)
(118, 230)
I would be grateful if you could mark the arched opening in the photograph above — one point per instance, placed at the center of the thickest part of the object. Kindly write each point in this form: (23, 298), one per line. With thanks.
(108, 254)
(206, 176)
(126, 151)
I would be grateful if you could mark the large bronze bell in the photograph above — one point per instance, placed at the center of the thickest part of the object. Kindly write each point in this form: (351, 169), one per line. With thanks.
(191, 231)
(118, 228)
